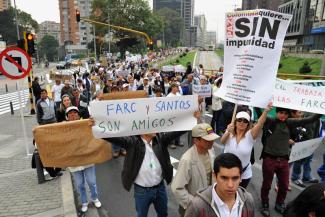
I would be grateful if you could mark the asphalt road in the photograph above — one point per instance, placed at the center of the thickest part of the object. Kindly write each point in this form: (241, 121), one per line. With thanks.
(117, 202)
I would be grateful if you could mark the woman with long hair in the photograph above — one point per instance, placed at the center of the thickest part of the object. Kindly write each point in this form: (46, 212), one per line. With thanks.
(240, 137)
(60, 112)
(309, 203)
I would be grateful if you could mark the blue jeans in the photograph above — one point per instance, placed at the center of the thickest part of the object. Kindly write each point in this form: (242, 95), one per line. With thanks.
(296, 171)
(144, 197)
(88, 174)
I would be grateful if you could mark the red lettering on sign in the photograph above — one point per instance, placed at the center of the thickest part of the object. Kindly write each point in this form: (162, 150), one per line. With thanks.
(230, 27)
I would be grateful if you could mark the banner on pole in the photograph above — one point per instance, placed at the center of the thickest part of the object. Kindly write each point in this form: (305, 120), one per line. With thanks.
(304, 149)
(302, 97)
(253, 47)
(202, 90)
(116, 118)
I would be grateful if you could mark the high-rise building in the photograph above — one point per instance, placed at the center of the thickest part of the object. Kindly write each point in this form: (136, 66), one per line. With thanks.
(49, 28)
(201, 23)
(171, 4)
(263, 4)
(211, 38)
(317, 18)
(73, 33)
(4, 4)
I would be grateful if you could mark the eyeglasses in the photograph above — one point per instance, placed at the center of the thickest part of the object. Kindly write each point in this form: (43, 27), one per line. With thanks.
(239, 120)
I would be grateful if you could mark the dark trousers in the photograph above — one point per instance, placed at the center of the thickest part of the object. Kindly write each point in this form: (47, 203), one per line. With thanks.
(216, 121)
(281, 168)
(145, 196)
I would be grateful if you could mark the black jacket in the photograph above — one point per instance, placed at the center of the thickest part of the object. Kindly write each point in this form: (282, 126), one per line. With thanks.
(141, 87)
(136, 150)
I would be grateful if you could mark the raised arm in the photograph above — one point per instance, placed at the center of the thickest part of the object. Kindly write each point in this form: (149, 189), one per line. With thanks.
(259, 125)
(225, 136)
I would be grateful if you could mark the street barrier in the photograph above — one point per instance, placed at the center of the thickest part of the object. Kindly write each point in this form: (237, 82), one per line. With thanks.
(11, 108)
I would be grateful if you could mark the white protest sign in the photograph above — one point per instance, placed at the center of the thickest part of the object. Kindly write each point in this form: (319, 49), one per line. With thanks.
(304, 149)
(314, 83)
(202, 90)
(299, 97)
(253, 47)
(116, 118)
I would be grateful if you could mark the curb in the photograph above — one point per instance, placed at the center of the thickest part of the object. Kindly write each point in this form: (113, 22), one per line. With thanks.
(69, 208)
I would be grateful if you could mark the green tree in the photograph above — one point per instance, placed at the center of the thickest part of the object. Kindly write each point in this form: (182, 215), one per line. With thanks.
(48, 48)
(173, 26)
(133, 14)
(8, 24)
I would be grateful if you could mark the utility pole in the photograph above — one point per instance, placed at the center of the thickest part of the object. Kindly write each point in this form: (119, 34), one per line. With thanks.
(17, 27)
(94, 30)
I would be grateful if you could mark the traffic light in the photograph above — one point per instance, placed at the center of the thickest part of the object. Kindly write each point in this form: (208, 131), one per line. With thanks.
(30, 43)
(150, 45)
(78, 16)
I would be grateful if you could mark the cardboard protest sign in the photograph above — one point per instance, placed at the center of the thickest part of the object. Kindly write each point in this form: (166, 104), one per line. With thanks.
(252, 51)
(125, 95)
(116, 118)
(202, 90)
(304, 149)
(299, 97)
(70, 144)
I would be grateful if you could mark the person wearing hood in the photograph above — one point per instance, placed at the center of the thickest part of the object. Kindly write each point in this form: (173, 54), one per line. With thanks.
(225, 197)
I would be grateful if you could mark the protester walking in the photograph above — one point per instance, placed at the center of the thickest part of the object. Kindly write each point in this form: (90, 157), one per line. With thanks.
(194, 170)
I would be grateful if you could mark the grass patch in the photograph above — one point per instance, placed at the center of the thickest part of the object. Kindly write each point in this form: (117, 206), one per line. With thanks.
(219, 52)
(189, 57)
(291, 65)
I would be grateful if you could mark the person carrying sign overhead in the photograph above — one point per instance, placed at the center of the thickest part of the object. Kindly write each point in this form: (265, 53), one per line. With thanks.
(275, 154)
(147, 166)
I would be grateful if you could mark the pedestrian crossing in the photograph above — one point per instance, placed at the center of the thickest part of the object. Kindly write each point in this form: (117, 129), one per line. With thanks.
(5, 100)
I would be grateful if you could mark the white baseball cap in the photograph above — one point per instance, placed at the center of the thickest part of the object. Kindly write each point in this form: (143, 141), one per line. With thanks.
(244, 115)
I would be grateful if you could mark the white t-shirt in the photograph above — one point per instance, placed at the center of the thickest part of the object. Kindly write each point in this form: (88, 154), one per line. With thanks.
(242, 151)
(172, 95)
(57, 92)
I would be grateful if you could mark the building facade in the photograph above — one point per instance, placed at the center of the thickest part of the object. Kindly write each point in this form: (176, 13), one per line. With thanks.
(201, 24)
(49, 28)
(4, 4)
(171, 4)
(211, 38)
(317, 17)
(263, 4)
(75, 36)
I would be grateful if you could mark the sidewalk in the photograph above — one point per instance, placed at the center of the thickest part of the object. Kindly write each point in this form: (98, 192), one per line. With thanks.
(21, 195)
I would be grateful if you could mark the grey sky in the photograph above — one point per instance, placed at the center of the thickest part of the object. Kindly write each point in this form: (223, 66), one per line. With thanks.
(214, 10)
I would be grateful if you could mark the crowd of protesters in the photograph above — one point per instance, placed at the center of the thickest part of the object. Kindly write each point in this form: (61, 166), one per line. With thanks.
(205, 185)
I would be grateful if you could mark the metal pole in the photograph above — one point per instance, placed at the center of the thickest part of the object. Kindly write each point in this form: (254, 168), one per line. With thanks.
(6, 88)
(322, 69)
(12, 112)
(94, 30)
(22, 118)
(16, 17)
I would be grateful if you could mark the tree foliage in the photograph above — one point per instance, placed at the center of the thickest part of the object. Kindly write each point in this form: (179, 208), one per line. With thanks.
(48, 48)
(173, 26)
(8, 24)
(133, 14)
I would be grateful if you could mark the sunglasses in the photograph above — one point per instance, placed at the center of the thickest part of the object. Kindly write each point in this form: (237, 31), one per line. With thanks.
(239, 120)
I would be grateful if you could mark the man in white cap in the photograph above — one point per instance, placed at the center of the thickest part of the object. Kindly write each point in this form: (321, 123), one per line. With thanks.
(195, 167)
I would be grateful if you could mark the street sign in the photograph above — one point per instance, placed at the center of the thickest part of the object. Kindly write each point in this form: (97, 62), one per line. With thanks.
(15, 63)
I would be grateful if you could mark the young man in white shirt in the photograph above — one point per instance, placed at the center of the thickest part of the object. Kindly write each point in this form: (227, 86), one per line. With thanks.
(56, 93)
(225, 198)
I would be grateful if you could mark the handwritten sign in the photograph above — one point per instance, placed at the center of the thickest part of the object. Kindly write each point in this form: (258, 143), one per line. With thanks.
(253, 47)
(304, 149)
(299, 97)
(202, 90)
(116, 118)
(70, 144)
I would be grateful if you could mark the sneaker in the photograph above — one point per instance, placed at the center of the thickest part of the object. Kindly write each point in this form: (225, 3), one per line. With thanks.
(97, 203)
(280, 207)
(172, 146)
(265, 210)
(116, 154)
(312, 180)
(299, 183)
(84, 207)
(123, 152)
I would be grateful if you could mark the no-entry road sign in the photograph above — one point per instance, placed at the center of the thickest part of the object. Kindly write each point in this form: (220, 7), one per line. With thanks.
(15, 63)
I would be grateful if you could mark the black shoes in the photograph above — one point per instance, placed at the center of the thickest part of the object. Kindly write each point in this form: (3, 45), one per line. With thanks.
(280, 207)
(265, 210)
